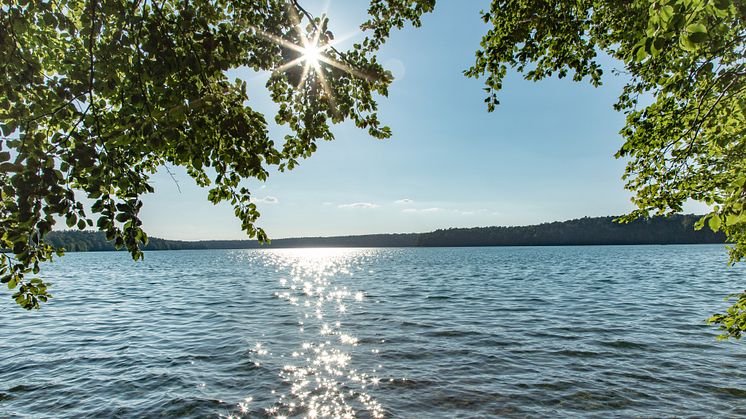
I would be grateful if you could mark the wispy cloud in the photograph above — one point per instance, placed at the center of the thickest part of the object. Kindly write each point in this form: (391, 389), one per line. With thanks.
(359, 205)
(471, 212)
(421, 210)
(480, 211)
(266, 200)
(404, 201)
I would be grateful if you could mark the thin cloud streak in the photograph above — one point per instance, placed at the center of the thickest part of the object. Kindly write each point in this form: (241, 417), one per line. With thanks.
(267, 200)
(471, 212)
(480, 211)
(425, 210)
(359, 205)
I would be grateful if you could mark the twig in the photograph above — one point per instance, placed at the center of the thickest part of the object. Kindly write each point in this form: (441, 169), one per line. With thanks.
(170, 173)
(57, 109)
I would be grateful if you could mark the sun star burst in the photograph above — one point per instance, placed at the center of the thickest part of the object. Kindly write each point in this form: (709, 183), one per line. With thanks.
(312, 55)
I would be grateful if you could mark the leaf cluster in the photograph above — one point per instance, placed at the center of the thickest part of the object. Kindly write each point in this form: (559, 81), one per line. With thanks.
(733, 321)
(97, 95)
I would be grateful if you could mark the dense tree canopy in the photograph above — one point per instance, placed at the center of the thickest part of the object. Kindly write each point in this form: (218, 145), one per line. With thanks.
(96, 95)
(687, 58)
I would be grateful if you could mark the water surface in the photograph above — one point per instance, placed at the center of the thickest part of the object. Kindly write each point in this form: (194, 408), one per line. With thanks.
(447, 332)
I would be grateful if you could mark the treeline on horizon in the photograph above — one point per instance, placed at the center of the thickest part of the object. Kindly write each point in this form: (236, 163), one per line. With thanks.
(676, 229)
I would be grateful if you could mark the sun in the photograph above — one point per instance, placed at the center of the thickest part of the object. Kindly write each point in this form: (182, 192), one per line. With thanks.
(312, 54)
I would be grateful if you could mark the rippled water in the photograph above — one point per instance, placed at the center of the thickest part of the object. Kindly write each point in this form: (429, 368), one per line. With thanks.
(451, 332)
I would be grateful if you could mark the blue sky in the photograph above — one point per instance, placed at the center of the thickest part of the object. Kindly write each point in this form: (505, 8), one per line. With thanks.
(545, 154)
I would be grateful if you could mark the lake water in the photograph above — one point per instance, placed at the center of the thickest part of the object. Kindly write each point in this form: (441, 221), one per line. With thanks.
(406, 333)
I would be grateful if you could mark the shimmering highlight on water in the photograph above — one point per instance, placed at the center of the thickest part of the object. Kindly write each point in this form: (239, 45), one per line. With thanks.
(467, 332)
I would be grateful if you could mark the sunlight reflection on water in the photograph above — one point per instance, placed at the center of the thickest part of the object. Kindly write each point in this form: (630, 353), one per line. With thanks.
(321, 381)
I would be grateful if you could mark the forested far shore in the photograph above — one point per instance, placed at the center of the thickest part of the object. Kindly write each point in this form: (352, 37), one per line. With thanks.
(677, 229)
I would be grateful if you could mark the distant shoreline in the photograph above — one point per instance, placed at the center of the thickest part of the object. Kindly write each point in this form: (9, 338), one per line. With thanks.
(395, 247)
(588, 231)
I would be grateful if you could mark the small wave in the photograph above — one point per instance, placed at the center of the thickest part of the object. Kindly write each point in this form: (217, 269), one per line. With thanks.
(696, 345)
(406, 355)
(576, 353)
(559, 385)
(409, 383)
(732, 391)
(643, 378)
(468, 400)
(589, 400)
(416, 324)
(181, 407)
(452, 333)
(491, 342)
(23, 388)
(624, 344)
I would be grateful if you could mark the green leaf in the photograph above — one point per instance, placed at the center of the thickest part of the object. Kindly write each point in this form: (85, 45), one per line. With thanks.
(641, 54)
(667, 13)
(697, 32)
(722, 4)
(686, 43)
